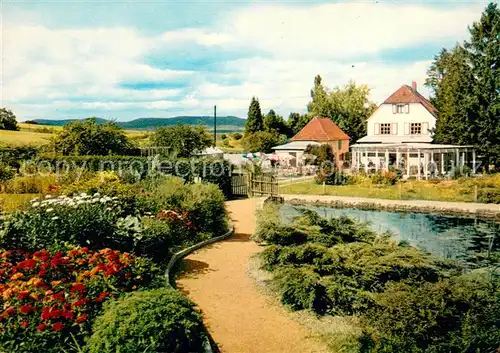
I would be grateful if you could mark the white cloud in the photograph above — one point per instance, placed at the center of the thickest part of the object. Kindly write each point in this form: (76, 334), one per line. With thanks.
(82, 69)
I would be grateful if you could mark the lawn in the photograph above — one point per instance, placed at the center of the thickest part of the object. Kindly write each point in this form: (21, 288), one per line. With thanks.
(450, 190)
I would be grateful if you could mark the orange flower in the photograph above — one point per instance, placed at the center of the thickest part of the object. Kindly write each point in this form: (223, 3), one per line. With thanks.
(16, 276)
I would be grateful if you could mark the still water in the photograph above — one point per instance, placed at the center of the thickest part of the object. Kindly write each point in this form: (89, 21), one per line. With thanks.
(455, 238)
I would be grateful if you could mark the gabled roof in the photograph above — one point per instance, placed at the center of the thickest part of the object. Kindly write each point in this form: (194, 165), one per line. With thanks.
(406, 94)
(320, 129)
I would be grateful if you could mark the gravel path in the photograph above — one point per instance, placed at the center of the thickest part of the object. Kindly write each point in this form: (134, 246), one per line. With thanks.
(239, 317)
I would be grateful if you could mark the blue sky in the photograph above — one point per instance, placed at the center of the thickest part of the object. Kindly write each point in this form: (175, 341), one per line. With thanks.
(128, 59)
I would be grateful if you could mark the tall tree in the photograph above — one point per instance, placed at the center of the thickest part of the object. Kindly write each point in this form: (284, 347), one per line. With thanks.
(275, 123)
(347, 106)
(87, 138)
(182, 141)
(484, 52)
(297, 121)
(466, 89)
(450, 78)
(254, 121)
(7, 120)
(319, 104)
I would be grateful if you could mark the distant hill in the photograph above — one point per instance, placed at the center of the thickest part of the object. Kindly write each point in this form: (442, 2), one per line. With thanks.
(224, 123)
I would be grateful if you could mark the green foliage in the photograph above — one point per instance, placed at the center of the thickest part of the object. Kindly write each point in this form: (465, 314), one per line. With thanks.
(8, 120)
(300, 288)
(237, 136)
(383, 177)
(14, 156)
(458, 315)
(275, 124)
(255, 122)
(465, 83)
(86, 138)
(6, 173)
(296, 122)
(348, 107)
(182, 141)
(262, 141)
(150, 321)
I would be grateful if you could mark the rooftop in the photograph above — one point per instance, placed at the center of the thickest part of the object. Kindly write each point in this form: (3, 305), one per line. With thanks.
(320, 129)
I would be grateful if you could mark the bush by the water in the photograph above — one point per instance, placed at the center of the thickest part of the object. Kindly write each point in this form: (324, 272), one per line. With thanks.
(149, 321)
(408, 301)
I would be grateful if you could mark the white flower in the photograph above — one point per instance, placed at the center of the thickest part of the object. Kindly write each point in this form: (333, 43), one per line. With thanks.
(36, 204)
(97, 194)
(84, 195)
(55, 218)
(103, 200)
(48, 196)
(79, 202)
(50, 210)
(34, 200)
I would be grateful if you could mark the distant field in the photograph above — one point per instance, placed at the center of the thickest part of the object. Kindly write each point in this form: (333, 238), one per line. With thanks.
(23, 138)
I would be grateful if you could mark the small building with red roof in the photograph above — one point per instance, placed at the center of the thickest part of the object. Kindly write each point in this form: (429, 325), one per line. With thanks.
(318, 131)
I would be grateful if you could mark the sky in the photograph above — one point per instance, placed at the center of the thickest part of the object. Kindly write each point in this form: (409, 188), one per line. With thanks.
(129, 59)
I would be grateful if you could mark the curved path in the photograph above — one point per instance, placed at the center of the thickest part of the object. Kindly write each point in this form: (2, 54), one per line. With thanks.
(239, 318)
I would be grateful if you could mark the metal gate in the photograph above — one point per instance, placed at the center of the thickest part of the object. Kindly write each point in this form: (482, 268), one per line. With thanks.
(239, 185)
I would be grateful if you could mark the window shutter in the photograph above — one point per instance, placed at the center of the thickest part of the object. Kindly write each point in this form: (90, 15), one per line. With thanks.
(407, 128)
(377, 129)
(394, 107)
(407, 108)
(425, 128)
(394, 128)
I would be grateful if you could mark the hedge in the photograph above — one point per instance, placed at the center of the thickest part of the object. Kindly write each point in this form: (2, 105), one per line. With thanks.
(216, 171)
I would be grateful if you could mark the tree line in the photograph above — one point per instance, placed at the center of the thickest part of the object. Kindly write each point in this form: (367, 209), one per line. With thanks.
(465, 81)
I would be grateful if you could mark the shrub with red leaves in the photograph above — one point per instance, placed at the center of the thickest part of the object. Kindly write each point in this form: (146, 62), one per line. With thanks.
(45, 297)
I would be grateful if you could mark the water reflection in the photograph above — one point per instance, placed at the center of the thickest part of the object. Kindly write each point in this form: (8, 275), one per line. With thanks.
(455, 238)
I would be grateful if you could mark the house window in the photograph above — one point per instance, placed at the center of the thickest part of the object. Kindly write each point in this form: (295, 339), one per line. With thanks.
(385, 129)
(400, 108)
(339, 146)
(415, 128)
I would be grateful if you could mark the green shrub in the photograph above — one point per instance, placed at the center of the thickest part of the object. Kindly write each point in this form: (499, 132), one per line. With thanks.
(35, 184)
(6, 173)
(151, 321)
(14, 156)
(489, 195)
(459, 315)
(384, 178)
(346, 295)
(301, 288)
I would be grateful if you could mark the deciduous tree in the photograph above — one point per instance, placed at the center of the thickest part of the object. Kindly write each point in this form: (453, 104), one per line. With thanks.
(183, 141)
(7, 120)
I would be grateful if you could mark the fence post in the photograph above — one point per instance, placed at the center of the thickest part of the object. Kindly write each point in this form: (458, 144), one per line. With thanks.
(249, 184)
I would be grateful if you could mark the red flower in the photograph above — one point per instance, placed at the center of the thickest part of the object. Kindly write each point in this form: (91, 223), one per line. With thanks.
(81, 302)
(102, 296)
(67, 314)
(81, 318)
(26, 309)
(41, 327)
(58, 296)
(50, 313)
(77, 287)
(57, 326)
(27, 264)
(24, 324)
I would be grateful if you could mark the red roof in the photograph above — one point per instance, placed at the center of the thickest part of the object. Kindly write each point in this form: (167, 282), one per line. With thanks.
(320, 129)
(406, 94)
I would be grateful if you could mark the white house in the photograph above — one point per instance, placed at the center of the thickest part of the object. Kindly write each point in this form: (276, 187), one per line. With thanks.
(399, 133)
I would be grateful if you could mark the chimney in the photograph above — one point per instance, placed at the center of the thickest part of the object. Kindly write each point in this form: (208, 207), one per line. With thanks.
(414, 86)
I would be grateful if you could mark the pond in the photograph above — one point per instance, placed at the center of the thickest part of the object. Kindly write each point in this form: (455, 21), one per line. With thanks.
(456, 238)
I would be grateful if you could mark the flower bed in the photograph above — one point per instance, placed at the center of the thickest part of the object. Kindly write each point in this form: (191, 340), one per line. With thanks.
(47, 297)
